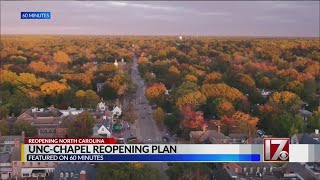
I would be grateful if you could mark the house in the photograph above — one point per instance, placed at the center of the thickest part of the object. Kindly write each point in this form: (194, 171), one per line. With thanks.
(104, 129)
(264, 92)
(62, 129)
(76, 171)
(102, 106)
(48, 122)
(99, 87)
(116, 112)
(208, 136)
(244, 171)
(305, 114)
(305, 138)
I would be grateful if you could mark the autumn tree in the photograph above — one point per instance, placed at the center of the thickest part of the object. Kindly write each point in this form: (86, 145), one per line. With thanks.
(82, 127)
(286, 99)
(41, 67)
(224, 107)
(61, 58)
(295, 87)
(245, 122)
(53, 88)
(192, 99)
(192, 119)
(156, 92)
(221, 90)
(213, 77)
(191, 78)
(185, 88)
(142, 60)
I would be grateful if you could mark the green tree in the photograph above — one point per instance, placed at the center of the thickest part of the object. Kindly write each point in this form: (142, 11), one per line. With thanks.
(82, 127)
(29, 130)
(91, 98)
(184, 171)
(159, 115)
(80, 94)
(285, 125)
(4, 128)
(3, 112)
(314, 121)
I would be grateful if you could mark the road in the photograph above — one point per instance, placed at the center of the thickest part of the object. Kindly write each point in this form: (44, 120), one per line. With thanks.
(146, 128)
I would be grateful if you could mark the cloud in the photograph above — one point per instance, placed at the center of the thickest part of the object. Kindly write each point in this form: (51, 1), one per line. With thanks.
(275, 19)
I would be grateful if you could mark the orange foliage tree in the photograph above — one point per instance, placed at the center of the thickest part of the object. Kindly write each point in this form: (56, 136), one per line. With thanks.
(191, 78)
(142, 59)
(40, 67)
(286, 99)
(156, 92)
(192, 119)
(212, 78)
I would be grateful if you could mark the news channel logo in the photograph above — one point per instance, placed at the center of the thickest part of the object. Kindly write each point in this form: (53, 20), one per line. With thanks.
(276, 149)
(35, 15)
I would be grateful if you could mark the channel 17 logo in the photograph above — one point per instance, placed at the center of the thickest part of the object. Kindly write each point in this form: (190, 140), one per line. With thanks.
(276, 149)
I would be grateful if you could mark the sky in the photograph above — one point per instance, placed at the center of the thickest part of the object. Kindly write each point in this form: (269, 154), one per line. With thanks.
(217, 18)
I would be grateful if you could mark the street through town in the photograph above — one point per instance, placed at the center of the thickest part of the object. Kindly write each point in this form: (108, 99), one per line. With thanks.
(146, 128)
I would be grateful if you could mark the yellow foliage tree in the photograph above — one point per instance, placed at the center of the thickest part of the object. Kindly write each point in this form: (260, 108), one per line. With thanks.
(244, 122)
(192, 99)
(222, 90)
(53, 88)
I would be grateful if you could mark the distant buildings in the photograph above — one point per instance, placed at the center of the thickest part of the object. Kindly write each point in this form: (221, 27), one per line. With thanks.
(11, 166)
(77, 171)
(49, 122)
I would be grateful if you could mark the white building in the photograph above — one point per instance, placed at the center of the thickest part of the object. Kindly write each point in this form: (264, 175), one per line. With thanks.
(102, 106)
(116, 112)
(115, 62)
(72, 111)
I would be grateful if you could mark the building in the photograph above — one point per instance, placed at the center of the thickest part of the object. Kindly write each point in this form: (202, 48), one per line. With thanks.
(100, 87)
(104, 129)
(305, 114)
(7, 143)
(264, 92)
(102, 106)
(208, 136)
(74, 171)
(116, 112)
(49, 122)
(306, 138)
(11, 166)
(72, 111)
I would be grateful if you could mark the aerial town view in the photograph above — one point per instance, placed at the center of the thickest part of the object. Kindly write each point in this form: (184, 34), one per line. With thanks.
(159, 73)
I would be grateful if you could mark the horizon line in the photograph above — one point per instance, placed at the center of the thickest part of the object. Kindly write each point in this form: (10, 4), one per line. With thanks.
(163, 35)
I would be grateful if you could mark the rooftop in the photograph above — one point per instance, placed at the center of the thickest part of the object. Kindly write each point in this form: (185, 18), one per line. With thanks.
(75, 169)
